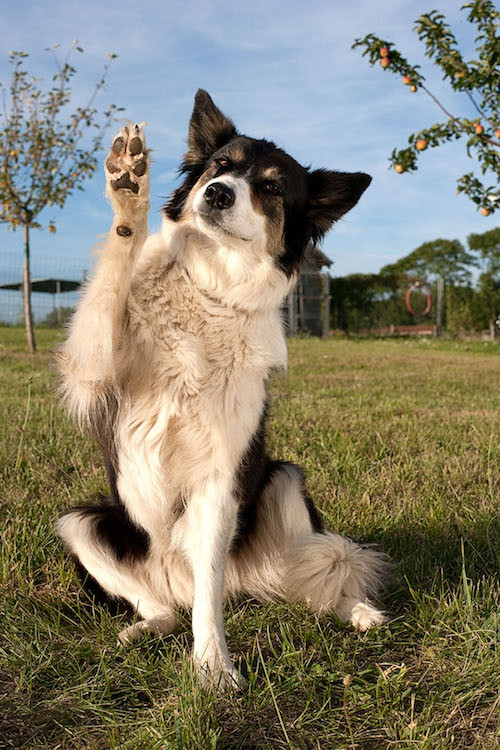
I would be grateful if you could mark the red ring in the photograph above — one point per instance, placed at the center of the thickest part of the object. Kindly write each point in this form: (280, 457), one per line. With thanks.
(424, 290)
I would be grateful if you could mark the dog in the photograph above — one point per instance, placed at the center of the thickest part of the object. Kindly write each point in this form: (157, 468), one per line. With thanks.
(166, 362)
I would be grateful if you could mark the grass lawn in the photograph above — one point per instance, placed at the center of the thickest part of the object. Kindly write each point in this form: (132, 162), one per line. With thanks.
(400, 442)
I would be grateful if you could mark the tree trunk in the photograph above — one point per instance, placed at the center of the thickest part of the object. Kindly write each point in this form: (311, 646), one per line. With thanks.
(493, 329)
(28, 317)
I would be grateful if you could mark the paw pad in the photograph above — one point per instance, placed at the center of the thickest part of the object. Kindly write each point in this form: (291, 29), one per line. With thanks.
(118, 146)
(140, 168)
(135, 146)
(125, 182)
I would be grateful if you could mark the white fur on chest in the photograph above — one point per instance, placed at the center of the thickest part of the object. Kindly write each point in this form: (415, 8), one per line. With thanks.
(191, 412)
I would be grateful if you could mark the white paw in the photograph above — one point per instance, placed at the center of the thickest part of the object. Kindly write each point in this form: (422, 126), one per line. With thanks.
(364, 616)
(218, 671)
(127, 168)
(224, 680)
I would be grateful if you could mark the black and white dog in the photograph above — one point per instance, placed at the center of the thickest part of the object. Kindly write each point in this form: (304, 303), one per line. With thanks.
(167, 361)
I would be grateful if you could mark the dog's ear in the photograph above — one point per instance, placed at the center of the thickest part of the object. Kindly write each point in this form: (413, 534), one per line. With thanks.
(209, 129)
(331, 195)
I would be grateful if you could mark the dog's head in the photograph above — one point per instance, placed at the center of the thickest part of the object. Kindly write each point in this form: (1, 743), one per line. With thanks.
(249, 195)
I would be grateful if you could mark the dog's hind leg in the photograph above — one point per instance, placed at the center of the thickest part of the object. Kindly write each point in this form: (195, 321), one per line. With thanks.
(161, 625)
(117, 555)
(287, 553)
(89, 359)
(330, 572)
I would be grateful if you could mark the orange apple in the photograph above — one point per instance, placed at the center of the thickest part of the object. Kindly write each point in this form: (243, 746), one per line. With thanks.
(413, 88)
(485, 211)
(384, 51)
(385, 62)
(399, 168)
(421, 144)
(406, 80)
(460, 74)
(497, 133)
(479, 128)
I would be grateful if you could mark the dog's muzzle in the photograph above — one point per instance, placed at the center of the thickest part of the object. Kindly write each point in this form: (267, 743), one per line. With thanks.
(219, 195)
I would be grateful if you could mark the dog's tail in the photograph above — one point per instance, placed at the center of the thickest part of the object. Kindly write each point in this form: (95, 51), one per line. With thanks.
(330, 572)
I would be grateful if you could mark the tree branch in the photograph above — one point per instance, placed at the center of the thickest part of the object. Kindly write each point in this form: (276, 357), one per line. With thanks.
(480, 110)
(456, 119)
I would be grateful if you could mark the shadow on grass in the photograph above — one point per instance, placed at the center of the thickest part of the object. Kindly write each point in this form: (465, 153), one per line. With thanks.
(421, 553)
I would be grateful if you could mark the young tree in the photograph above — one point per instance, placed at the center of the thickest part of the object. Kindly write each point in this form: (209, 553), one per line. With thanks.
(477, 79)
(43, 152)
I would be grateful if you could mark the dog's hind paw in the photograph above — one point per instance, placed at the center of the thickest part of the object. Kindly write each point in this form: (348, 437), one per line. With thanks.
(364, 616)
(127, 167)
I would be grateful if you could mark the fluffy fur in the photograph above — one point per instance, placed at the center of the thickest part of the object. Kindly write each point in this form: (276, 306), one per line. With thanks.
(166, 362)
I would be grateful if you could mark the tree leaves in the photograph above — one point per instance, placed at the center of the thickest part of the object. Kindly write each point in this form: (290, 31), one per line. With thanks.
(478, 79)
(44, 154)
(446, 258)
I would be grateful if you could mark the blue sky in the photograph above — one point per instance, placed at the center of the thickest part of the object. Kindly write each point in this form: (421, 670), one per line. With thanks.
(282, 70)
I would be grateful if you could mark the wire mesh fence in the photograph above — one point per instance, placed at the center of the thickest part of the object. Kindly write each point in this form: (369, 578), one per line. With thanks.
(50, 300)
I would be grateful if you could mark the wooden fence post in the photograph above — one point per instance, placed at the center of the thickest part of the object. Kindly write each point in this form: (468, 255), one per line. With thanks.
(439, 307)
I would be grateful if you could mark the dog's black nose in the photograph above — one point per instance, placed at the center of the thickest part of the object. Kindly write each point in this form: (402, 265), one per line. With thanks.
(219, 195)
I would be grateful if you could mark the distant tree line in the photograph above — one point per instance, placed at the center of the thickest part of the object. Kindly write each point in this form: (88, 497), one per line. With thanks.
(471, 300)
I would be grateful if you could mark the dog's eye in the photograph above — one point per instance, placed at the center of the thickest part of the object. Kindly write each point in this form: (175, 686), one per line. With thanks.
(272, 187)
(222, 162)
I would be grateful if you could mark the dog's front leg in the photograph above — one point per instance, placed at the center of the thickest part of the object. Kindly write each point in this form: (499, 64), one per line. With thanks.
(211, 527)
(88, 358)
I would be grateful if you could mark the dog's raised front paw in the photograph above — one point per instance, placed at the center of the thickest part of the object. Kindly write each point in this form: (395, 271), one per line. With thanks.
(127, 168)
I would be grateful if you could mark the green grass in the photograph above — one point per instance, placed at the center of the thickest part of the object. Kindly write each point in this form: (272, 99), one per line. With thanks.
(400, 441)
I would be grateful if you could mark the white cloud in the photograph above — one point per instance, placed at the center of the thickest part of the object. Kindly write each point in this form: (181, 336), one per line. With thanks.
(282, 69)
